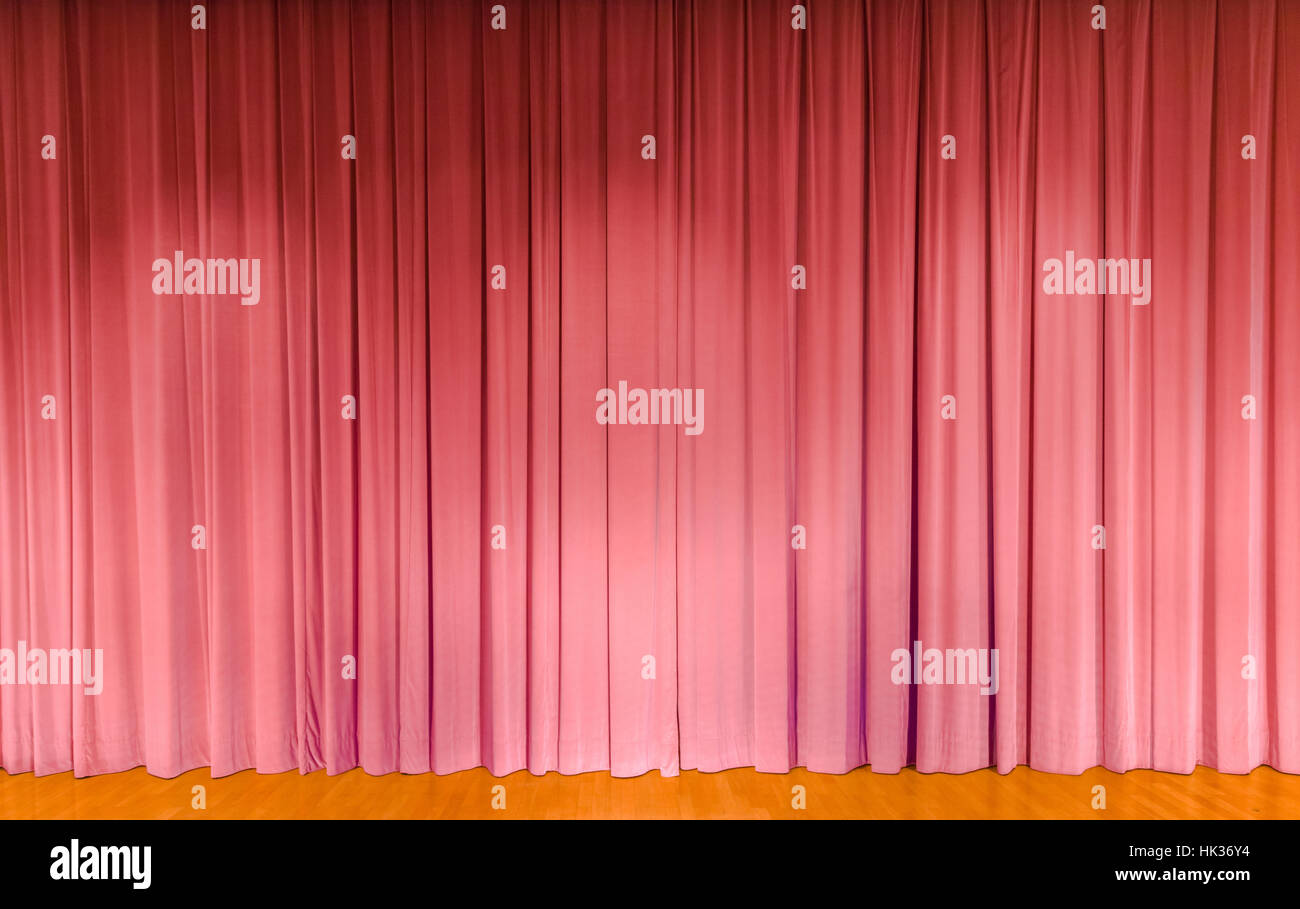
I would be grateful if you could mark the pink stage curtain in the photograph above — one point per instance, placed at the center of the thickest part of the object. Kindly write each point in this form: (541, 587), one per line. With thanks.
(838, 233)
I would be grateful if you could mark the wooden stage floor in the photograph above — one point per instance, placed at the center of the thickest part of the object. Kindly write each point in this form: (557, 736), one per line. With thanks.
(741, 793)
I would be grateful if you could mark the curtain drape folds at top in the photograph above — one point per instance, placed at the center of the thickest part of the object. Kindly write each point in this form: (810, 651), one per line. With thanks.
(653, 384)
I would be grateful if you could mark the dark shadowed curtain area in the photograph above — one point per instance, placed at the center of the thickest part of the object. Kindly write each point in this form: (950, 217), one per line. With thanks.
(363, 510)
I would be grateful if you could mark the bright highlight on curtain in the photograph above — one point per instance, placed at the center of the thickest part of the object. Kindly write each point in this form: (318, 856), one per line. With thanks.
(649, 385)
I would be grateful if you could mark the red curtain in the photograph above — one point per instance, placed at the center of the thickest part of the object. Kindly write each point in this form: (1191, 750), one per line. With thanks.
(361, 506)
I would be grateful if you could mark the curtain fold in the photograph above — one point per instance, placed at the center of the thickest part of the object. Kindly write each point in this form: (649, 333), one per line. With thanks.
(973, 326)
